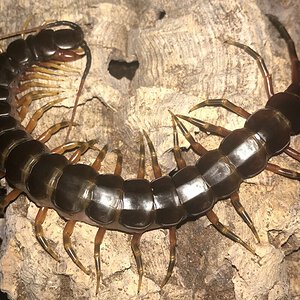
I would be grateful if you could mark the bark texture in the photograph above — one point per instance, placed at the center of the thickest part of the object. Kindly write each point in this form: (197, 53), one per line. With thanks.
(182, 60)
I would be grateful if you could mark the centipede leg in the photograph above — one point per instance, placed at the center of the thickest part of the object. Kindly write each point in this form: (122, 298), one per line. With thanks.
(118, 168)
(136, 237)
(282, 171)
(235, 201)
(68, 231)
(75, 157)
(172, 260)
(213, 218)
(180, 162)
(25, 101)
(141, 168)
(222, 103)
(39, 113)
(196, 147)
(98, 241)
(39, 232)
(32, 84)
(97, 163)
(291, 47)
(10, 197)
(45, 136)
(101, 231)
(205, 126)
(292, 153)
(135, 246)
(50, 70)
(158, 173)
(66, 147)
(56, 65)
(155, 166)
(30, 76)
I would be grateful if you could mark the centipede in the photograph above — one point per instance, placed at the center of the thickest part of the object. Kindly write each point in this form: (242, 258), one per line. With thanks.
(79, 193)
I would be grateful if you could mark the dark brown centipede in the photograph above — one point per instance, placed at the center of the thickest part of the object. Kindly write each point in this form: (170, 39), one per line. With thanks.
(137, 205)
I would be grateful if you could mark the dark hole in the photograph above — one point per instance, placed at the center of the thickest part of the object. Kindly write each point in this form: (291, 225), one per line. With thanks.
(3, 296)
(161, 14)
(121, 68)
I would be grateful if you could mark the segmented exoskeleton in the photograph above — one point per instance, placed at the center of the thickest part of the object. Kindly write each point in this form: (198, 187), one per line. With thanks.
(78, 193)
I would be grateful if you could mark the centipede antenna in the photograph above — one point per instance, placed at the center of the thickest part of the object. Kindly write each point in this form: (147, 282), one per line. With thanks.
(222, 103)
(141, 168)
(87, 51)
(20, 32)
(68, 231)
(135, 246)
(155, 166)
(26, 25)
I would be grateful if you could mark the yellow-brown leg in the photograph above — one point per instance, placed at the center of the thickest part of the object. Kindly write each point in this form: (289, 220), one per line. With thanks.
(45, 136)
(39, 113)
(141, 168)
(39, 232)
(98, 241)
(158, 173)
(135, 246)
(213, 218)
(101, 231)
(68, 231)
(172, 260)
(10, 197)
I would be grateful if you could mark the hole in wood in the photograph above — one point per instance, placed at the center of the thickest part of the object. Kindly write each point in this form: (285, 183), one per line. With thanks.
(121, 68)
(161, 14)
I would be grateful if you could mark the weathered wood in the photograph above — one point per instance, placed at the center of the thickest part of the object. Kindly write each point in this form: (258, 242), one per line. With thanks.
(182, 60)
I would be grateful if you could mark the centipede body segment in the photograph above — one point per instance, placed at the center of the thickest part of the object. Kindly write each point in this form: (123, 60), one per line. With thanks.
(80, 194)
